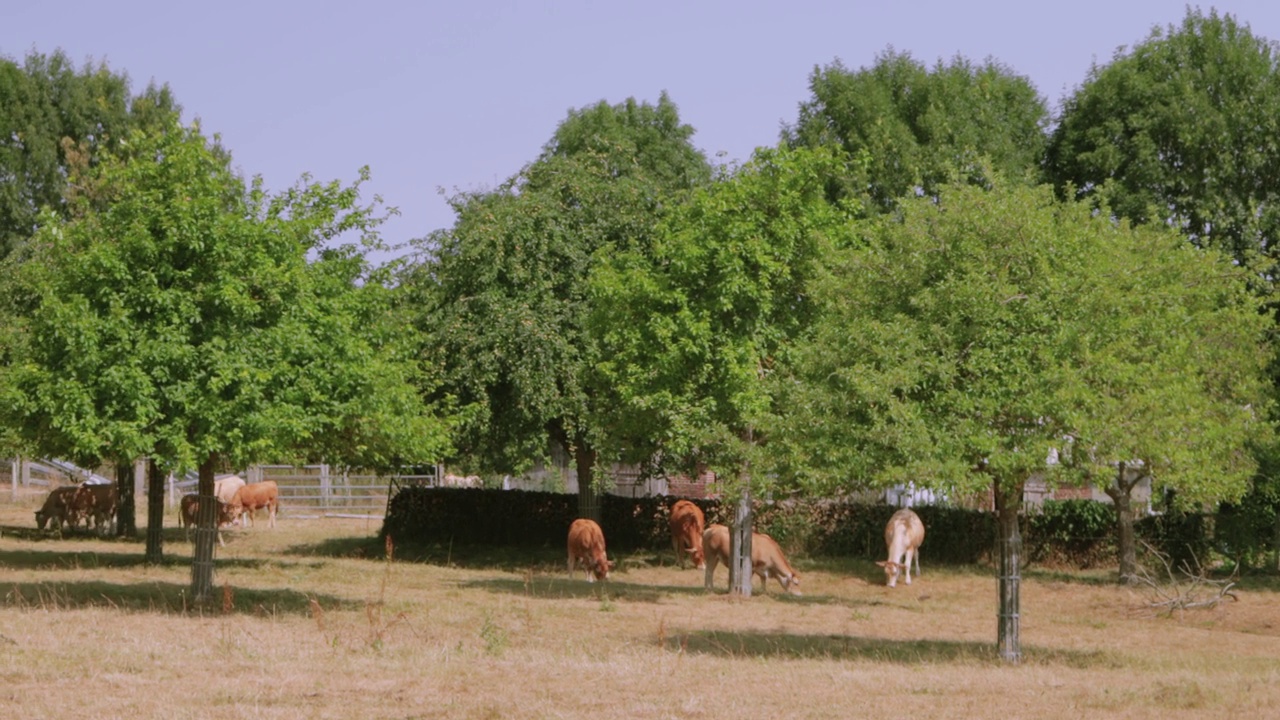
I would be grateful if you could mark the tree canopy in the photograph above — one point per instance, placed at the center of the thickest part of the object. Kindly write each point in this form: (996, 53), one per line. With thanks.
(504, 291)
(963, 343)
(183, 321)
(909, 128)
(56, 118)
(1181, 130)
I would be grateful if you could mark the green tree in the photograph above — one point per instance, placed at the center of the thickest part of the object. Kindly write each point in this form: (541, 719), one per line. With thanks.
(960, 344)
(1182, 130)
(1174, 381)
(56, 119)
(691, 332)
(908, 128)
(182, 321)
(503, 293)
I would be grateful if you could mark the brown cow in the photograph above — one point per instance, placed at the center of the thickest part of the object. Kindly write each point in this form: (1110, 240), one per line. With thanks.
(903, 536)
(253, 497)
(766, 558)
(59, 507)
(687, 523)
(586, 545)
(96, 503)
(189, 510)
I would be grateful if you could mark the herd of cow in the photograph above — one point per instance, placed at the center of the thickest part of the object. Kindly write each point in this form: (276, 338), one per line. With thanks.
(707, 547)
(96, 503)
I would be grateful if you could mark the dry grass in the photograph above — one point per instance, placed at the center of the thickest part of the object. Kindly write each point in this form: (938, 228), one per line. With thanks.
(312, 621)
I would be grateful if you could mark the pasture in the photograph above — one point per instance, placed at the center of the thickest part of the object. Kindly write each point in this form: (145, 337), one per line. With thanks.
(313, 621)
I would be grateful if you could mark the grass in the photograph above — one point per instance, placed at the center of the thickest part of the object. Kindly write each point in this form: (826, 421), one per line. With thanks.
(314, 620)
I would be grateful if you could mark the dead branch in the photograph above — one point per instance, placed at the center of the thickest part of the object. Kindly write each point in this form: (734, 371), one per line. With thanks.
(1187, 587)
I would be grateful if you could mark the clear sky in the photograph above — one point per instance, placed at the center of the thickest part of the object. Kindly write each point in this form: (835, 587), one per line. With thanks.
(460, 94)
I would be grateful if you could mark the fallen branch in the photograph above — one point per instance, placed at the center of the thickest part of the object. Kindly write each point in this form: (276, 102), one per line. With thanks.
(1186, 588)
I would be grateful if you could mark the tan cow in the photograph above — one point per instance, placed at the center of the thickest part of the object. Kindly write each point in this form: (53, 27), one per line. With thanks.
(253, 497)
(189, 511)
(59, 508)
(586, 545)
(96, 503)
(687, 524)
(225, 487)
(766, 558)
(902, 535)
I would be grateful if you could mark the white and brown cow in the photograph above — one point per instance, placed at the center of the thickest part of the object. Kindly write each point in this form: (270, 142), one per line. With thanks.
(902, 535)
(58, 508)
(96, 503)
(767, 559)
(189, 511)
(586, 546)
(253, 497)
(687, 525)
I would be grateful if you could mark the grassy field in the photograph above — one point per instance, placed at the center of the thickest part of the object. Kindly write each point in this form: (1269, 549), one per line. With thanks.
(314, 622)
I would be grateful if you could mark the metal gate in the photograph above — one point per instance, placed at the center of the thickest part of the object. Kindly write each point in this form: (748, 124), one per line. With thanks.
(321, 491)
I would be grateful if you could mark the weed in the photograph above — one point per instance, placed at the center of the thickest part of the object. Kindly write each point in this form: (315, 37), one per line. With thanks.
(493, 635)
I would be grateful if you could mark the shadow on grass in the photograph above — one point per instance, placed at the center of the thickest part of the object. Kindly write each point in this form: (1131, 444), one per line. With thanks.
(162, 597)
(844, 647)
(545, 587)
(126, 557)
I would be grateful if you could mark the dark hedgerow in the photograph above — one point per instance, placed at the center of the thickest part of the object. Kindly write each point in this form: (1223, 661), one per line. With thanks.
(1078, 533)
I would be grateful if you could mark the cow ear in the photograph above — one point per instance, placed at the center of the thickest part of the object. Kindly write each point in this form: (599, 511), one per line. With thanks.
(882, 563)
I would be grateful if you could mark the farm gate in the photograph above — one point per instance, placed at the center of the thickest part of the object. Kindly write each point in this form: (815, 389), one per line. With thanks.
(323, 491)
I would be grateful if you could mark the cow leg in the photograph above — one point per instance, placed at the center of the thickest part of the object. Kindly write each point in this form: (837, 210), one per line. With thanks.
(711, 570)
(675, 545)
(906, 566)
(271, 514)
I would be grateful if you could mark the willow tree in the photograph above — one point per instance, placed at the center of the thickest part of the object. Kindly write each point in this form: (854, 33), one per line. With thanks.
(959, 345)
(181, 319)
(504, 291)
(690, 333)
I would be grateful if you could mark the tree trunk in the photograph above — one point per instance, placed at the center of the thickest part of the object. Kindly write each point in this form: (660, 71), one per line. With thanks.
(1008, 503)
(206, 536)
(155, 513)
(589, 495)
(1121, 494)
(740, 545)
(126, 512)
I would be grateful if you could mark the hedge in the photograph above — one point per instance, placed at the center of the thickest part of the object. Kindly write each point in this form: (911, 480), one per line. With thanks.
(1078, 533)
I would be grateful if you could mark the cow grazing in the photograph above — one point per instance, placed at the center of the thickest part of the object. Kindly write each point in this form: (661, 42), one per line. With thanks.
(586, 546)
(59, 508)
(903, 536)
(766, 558)
(256, 496)
(687, 524)
(189, 510)
(96, 503)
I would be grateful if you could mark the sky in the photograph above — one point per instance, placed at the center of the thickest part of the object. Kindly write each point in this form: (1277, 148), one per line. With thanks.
(442, 97)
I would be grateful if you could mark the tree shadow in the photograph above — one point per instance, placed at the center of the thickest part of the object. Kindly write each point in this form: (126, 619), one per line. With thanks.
(542, 586)
(732, 644)
(164, 597)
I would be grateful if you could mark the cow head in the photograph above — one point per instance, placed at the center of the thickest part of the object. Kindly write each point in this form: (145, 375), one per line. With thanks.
(891, 570)
(41, 519)
(697, 556)
(792, 583)
(600, 568)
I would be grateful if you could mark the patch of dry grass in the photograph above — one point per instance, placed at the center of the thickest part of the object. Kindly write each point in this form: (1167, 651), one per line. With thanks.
(312, 620)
